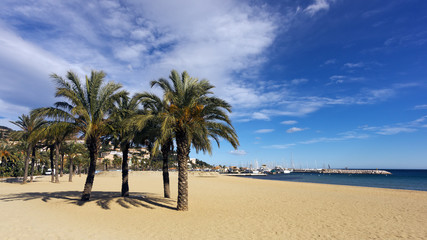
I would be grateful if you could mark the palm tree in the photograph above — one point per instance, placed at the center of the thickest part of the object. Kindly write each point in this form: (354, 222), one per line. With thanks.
(56, 132)
(29, 125)
(155, 112)
(122, 112)
(74, 152)
(87, 107)
(192, 117)
(4, 158)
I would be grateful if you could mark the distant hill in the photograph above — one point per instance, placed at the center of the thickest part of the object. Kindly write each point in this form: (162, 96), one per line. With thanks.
(4, 132)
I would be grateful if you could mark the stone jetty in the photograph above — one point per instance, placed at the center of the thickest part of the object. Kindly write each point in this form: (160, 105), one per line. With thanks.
(344, 171)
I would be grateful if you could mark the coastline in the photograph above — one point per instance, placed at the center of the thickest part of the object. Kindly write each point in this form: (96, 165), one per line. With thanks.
(220, 207)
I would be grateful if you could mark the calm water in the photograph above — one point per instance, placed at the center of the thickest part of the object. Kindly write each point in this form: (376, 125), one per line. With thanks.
(400, 179)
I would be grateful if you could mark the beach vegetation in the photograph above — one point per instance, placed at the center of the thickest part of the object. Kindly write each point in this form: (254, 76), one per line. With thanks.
(187, 116)
(151, 122)
(193, 117)
(87, 106)
(56, 132)
(124, 132)
(30, 126)
(12, 164)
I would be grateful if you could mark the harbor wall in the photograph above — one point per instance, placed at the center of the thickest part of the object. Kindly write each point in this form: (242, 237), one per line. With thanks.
(344, 171)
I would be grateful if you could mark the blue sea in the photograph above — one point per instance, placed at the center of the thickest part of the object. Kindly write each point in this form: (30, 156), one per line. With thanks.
(399, 179)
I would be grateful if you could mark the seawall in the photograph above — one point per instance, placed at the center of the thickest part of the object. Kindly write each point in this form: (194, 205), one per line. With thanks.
(344, 171)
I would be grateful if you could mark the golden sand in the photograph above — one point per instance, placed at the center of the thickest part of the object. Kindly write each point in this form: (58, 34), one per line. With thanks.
(221, 207)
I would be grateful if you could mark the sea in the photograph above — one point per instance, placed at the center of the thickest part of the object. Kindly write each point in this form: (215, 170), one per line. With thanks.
(399, 179)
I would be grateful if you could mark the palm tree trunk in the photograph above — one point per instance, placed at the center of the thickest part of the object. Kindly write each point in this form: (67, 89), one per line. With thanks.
(165, 154)
(183, 150)
(62, 165)
(125, 170)
(57, 157)
(33, 159)
(70, 178)
(52, 177)
(92, 145)
(27, 159)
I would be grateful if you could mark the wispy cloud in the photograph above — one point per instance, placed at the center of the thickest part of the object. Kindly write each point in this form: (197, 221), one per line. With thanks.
(397, 128)
(361, 133)
(264, 130)
(354, 65)
(394, 130)
(289, 122)
(338, 79)
(260, 116)
(300, 106)
(238, 152)
(294, 129)
(418, 107)
(283, 146)
(298, 81)
(317, 6)
(330, 61)
(340, 137)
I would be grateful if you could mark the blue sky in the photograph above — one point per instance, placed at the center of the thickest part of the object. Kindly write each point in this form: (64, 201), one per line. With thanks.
(329, 81)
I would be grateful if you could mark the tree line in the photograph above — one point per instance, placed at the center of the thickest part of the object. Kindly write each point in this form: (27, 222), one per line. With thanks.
(186, 116)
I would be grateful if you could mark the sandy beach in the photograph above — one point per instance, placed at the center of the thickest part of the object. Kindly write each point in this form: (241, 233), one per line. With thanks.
(221, 207)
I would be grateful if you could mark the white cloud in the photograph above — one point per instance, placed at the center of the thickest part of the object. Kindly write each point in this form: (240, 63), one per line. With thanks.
(298, 81)
(397, 128)
(264, 130)
(294, 129)
(238, 152)
(354, 65)
(138, 41)
(260, 116)
(317, 6)
(424, 106)
(341, 137)
(394, 130)
(295, 106)
(337, 79)
(130, 53)
(330, 61)
(289, 122)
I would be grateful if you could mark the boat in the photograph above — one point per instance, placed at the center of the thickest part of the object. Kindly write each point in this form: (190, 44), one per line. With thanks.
(280, 170)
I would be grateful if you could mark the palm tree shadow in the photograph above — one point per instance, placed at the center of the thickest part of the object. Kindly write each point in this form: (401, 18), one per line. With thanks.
(103, 199)
(18, 180)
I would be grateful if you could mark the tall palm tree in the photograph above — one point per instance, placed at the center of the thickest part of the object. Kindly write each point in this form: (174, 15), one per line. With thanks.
(86, 106)
(29, 125)
(123, 132)
(155, 112)
(193, 117)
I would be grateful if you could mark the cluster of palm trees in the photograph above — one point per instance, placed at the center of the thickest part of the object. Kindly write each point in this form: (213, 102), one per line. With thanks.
(187, 114)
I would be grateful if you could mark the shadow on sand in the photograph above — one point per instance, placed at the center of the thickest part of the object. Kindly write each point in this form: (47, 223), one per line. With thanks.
(18, 180)
(102, 199)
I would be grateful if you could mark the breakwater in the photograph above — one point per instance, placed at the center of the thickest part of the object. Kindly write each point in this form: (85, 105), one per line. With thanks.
(343, 171)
